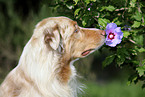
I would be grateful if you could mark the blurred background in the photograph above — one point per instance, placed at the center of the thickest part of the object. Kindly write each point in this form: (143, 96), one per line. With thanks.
(18, 19)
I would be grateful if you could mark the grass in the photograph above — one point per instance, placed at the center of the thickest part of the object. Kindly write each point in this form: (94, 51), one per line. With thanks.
(113, 89)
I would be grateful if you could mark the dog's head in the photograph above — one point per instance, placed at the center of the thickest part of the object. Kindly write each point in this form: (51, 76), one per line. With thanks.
(64, 36)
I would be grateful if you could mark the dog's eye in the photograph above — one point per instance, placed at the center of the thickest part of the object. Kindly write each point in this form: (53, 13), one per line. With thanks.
(76, 30)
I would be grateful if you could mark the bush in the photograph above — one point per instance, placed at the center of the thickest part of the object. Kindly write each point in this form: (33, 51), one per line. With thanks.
(128, 14)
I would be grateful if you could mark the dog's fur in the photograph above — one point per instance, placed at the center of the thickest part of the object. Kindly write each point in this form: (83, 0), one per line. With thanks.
(45, 68)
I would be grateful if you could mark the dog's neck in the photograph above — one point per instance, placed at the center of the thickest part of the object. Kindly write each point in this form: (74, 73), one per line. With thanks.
(50, 69)
(65, 70)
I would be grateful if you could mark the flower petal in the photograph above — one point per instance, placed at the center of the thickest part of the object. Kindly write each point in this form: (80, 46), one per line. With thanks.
(119, 35)
(109, 30)
(113, 42)
(118, 29)
(116, 41)
(111, 26)
(109, 43)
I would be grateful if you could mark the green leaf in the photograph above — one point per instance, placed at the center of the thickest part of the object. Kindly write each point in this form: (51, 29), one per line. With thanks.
(143, 24)
(133, 78)
(108, 60)
(120, 60)
(117, 22)
(132, 3)
(102, 8)
(126, 34)
(77, 11)
(141, 70)
(135, 62)
(76, 1)
(69, 6)
(103, 22)
(110, 8)
(139, 39)
(137, 16)
(136, 24)
(141, 50)
(143, 62)
(122, 54)
(84, 23)
(93, 0)
(115, 19)
(87, 1)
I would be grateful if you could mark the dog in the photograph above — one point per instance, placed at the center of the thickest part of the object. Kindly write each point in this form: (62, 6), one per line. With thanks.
(45, 68)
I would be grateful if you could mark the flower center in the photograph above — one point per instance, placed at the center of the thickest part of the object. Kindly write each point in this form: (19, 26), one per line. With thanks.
(111, 36)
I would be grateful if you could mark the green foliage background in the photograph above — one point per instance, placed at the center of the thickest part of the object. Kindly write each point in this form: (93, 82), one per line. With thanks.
(129, 15)
(126, 60)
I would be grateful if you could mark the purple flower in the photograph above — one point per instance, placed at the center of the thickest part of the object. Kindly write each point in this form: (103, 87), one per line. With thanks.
(89, 9)
(127, 28)
(114, 35)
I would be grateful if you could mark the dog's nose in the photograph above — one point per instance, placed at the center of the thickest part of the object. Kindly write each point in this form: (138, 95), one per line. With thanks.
(103, 33)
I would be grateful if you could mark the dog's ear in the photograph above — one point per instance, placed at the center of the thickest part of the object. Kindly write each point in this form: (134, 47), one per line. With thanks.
(52, 37)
